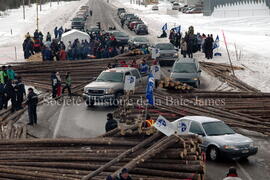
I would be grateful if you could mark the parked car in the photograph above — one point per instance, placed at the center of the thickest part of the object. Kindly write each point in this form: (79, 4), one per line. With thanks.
(125, 16)
(132, 25)
(121, 37)
(155, 8)
(182, 7)
(175, 6)
(131, 19)
(187, 70)
(168, 54)
(138, 41)
(187, 9)
(78, 23)
(196, 10)
(120, 10)
(219, 140)
(141, 29)
(172, 1)
(93, 29)
(109, 85)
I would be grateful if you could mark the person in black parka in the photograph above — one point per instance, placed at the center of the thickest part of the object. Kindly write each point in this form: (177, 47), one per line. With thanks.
(111, 123)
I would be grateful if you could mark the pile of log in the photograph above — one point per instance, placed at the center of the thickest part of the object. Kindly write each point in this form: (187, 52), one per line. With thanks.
(38, 74)
(226, 106)
(177, 86)
(152, 157)
(11, 131)
(224, 73)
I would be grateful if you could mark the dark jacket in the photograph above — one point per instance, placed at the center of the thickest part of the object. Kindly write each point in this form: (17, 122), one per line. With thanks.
(32, 99)
(120, 178)
(110, 125)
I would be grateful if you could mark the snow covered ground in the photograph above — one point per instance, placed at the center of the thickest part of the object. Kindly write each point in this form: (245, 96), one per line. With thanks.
(250, 34)
(49, 17)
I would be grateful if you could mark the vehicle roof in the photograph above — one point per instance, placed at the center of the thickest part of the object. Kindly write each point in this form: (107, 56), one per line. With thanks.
(120, 69)
(186, 60)
(201, 119)
(163, 43)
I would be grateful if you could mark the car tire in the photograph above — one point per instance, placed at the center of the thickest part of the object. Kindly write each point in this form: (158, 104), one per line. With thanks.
(213, 153)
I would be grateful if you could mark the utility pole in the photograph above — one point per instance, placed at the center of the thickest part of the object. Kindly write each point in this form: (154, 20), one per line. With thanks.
(58, 2)
(23, 9)
(50, 3)
(40, 4)
(37, 13)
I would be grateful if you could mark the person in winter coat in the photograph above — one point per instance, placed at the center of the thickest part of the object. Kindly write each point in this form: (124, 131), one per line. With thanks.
(111, 123)
(171, 36)
(232, 174)
(208, 47)
(190, 45)
(49, 37)
(2, 96)
(47, 54)
(59, 81)
(40, 36)
(124, 175)
(56, 32)
(36, 34)
(144, 67)
(32, 101)
(3, 75)
(20, 92)
(67, 84)
(9, 93)
(10, 72)
(60, 32)
(183, 48)
(54, 84)
(63, 55)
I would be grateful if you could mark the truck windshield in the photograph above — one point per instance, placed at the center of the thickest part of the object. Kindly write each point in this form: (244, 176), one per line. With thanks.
(110, 77)
(184, 68)
(165, 46)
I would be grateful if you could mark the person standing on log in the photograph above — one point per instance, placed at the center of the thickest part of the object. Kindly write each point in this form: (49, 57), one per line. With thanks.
(111, 123)
(124, 175)
(54, 84)
(32, 101)
(3, 75)
(9, 93)
(11, 73)
(67, 84)
(20, 93)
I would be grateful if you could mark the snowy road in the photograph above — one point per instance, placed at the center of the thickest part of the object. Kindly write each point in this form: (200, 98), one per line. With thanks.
(76, 120)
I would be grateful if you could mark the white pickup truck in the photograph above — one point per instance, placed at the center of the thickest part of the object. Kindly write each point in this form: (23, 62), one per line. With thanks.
(109, 85)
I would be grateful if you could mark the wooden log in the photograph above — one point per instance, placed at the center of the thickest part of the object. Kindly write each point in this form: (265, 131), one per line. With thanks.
(123, 155)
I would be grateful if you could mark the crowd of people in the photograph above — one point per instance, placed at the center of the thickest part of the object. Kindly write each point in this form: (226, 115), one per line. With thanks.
(190, 43)
(100, 45)
(12, 90)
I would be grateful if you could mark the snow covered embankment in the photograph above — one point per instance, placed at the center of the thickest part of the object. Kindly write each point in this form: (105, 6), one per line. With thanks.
(13, 27)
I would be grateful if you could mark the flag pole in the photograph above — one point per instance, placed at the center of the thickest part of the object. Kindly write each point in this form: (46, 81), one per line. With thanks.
(228, 52)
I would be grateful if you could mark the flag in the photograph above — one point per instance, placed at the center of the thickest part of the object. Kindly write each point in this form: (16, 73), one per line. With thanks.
(216, 43)
(150, 89)
(165, 27)
(177, 29)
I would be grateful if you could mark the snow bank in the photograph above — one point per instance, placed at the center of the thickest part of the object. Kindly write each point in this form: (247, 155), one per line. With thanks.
(13, 27)
(240, 9)
(250, 34)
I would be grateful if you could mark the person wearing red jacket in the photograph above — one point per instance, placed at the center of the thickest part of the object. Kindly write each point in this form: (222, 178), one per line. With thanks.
(63, 55)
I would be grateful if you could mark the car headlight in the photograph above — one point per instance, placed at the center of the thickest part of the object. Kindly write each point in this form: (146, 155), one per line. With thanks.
(175, 55)
(230, 147)
(85, 89)
(195, 79)
(109, 91)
